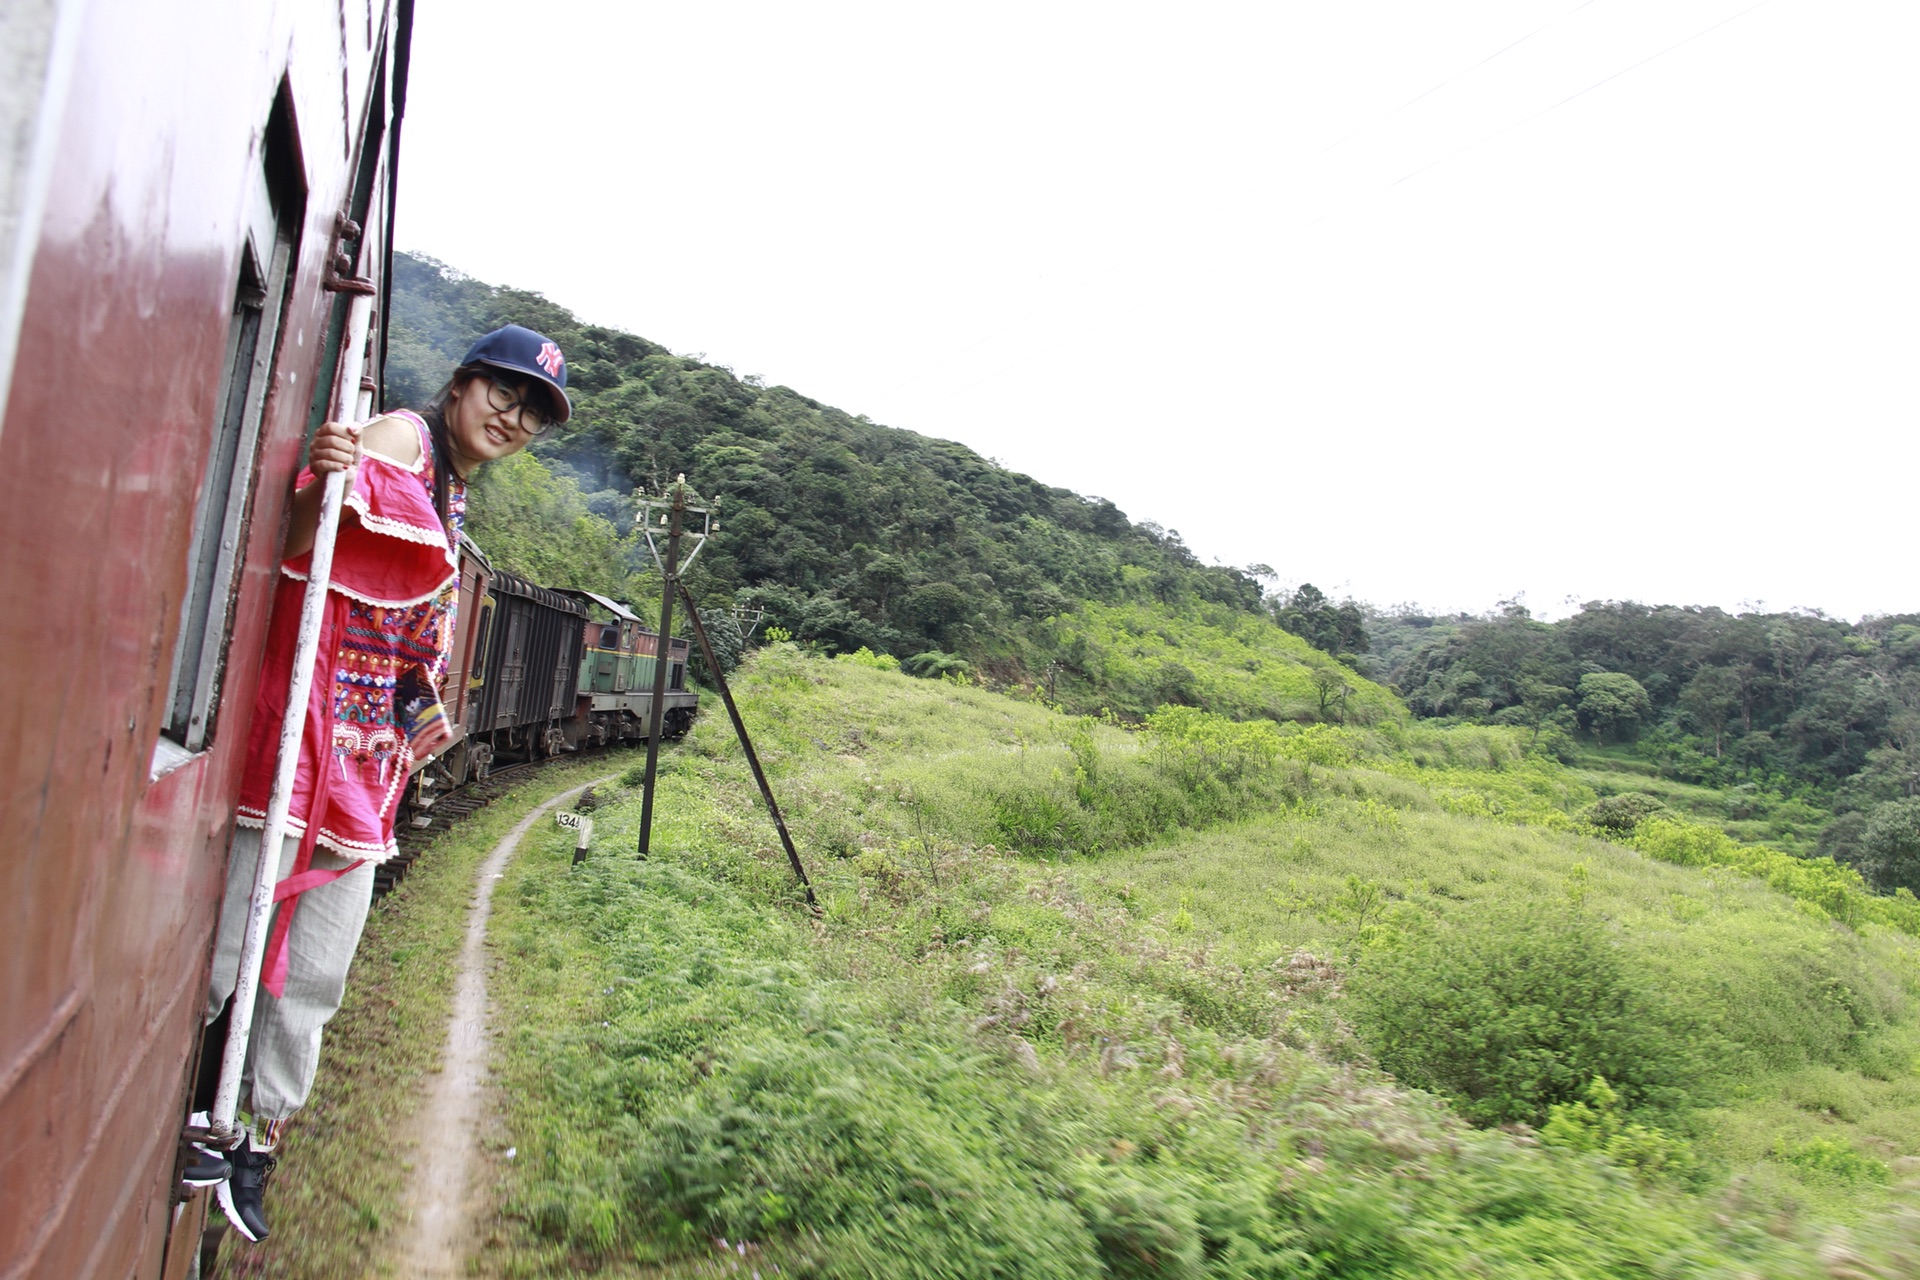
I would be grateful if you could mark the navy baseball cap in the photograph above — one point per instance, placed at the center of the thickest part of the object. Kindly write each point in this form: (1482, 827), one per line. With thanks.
(524, 351)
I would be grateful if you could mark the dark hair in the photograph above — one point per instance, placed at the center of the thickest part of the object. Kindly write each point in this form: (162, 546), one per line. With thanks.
(434, 413)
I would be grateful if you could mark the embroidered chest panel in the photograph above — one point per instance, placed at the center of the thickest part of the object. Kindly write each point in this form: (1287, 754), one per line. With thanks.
(378, 661)
(379, 649)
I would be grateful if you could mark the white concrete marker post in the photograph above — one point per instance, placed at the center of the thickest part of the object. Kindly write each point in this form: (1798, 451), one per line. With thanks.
(582, 827)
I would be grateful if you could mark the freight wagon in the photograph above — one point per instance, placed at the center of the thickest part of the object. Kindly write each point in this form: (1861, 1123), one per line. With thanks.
(539, 671)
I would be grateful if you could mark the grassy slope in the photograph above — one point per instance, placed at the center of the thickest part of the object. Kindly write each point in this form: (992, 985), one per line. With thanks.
(1760, 970)
(1133, 657)
(981, 1063)
(1743, 813)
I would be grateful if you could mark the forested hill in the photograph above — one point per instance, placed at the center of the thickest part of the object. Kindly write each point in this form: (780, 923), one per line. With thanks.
(855, 535)
(1783, 717)
(852, 533)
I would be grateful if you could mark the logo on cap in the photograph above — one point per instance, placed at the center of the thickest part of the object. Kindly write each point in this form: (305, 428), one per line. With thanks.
(550, 359)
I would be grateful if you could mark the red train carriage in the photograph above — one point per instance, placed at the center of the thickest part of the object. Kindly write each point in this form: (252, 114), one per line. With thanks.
(465, 756)
(190, 204)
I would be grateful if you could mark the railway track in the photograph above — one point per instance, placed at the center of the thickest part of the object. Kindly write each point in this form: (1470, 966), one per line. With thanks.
(447, 812)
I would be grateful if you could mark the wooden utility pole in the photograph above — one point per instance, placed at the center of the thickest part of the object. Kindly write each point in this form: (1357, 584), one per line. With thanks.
(662, 648)
(673, 510)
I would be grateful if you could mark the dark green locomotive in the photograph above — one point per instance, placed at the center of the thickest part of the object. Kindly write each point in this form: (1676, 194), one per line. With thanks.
(615, 687)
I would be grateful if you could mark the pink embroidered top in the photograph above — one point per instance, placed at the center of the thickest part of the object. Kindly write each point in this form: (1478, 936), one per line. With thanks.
(385, 639)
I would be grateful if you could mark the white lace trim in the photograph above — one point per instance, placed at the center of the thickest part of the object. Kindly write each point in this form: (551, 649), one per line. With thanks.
(397, 778)
(434, 594)
(392, 528)
(374, 853)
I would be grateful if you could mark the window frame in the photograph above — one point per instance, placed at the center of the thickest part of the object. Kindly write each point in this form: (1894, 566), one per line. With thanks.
(265, 269)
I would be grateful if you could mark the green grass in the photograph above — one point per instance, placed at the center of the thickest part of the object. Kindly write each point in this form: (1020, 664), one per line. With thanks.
(334, 1202)
(1034, 1033)
(1132, 658)
(1788, 1000)
(1746, 813)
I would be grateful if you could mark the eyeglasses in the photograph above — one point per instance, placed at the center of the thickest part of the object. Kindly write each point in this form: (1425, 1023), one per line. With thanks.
(505, 398)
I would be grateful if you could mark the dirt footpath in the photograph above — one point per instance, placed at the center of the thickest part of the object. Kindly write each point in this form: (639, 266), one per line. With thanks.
(447, 1197)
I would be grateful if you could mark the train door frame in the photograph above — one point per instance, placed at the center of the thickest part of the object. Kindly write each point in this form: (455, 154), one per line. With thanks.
(267, 264)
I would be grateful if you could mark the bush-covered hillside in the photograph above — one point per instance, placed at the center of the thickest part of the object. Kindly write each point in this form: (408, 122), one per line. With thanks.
(1256, 976)
(851, 533)
(1094, 1002)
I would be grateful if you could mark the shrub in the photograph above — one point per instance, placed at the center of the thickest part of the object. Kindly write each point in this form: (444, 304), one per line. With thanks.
(1830, 1160)
(1822, 883)
(1139, 1228)
(1515, 1011)
(865, 657)
(1624, 812)
(1321, 744)
(1597, 1125)
(890, 1150)
(933, 664)
(1035, 821)
(1201, 749)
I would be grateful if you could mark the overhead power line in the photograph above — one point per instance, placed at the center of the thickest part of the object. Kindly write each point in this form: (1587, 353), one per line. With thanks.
(1450, 79)
(1402, 179)
(1524, 120)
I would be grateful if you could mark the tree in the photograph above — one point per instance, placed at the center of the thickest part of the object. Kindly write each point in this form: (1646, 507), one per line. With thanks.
(1331, 686)
(1711, 698)
(1890, 846)
(882, 575)
(1330, 628)
(723, 633)
(1539, 701)
(1349, 630)
(937, 606)
(1612, 702)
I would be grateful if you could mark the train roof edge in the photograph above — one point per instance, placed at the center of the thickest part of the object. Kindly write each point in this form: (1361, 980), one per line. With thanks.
(614, 607)
(514, 585)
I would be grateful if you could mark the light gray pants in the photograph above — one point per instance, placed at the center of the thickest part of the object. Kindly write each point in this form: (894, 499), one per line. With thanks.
(285, 1049)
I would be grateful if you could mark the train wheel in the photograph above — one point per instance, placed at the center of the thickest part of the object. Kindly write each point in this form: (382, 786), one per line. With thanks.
(460, 764)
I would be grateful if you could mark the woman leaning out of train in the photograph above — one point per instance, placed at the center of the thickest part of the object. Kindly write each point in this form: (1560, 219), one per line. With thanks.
(385, 638)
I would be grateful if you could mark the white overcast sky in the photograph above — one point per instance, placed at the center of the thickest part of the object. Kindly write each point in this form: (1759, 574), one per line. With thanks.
(1432, 302)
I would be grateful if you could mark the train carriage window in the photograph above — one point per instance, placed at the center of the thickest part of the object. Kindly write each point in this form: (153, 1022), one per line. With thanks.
(483, 633)
(226, 496)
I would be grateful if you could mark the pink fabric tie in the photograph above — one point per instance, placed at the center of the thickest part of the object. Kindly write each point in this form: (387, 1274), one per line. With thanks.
(274, 965)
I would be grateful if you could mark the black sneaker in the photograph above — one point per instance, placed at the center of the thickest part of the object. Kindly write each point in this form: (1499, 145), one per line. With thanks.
(206, 1168)
(243, 1196)
(206, 1161)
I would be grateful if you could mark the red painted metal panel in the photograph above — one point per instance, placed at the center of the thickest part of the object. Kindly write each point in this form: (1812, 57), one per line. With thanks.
(109, 882)
(474, 577)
